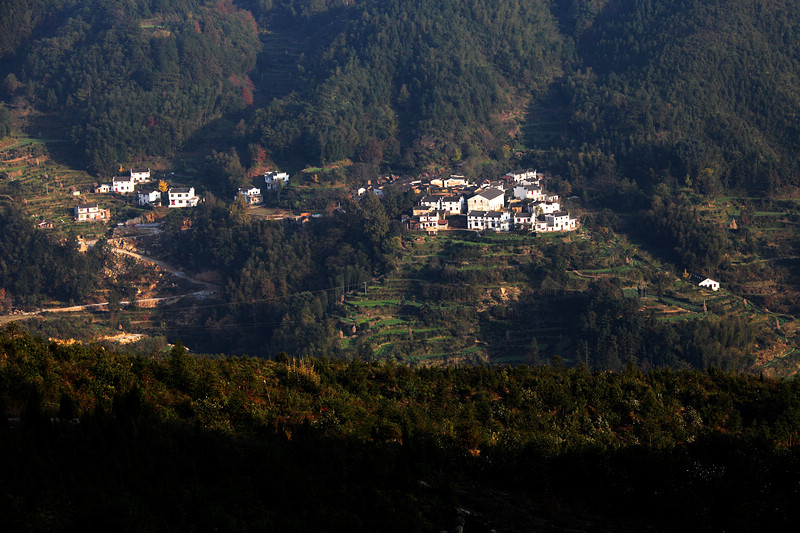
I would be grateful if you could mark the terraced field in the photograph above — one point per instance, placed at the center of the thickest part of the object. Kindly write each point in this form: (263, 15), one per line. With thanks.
(463, 298)
(446, 303)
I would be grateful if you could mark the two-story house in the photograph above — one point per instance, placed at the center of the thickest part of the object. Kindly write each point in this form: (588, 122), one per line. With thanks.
(490, 199)
(252, 195)
(182, 197)
(140, 175)
(273, 180)
(529, 192)
(90, 213)
(122, 184)
(148, 197)
(494, 220)
(454, 205)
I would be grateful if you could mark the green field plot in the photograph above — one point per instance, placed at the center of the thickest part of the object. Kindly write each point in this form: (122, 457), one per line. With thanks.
(679, 303)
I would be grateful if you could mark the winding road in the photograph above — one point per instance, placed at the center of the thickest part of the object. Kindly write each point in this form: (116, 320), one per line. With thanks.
(208, 289)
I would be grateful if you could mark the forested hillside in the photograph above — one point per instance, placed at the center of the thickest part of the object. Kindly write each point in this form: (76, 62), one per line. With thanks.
(685, 92)
(129, 80)
(691, 92)
(185, 442)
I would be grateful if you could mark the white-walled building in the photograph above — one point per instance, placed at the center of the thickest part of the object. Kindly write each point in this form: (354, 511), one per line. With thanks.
(273, 179)
(487, 200)
(252, 195)
(122, 184)
(90, 213)
(529, 192)
(148, 197)
(709, 283)
(545, 208)
(431, 202)
(558, 221)
(182, 197)
(454, 205)
(140, 175)
(524, 221)
(530, 175)
(493, 220)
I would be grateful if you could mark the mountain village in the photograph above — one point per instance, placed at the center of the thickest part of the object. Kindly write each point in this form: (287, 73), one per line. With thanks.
(516, 201)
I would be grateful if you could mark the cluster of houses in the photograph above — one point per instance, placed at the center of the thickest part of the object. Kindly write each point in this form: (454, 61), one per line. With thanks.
(272, 182)
(516, 201)
(375, 185)
(126, 184)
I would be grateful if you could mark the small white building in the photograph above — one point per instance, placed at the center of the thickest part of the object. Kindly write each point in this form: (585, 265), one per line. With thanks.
(430, 222)
(524, 221)
(709, 283)
(454, 181)
(494, 220)
(431, 202)
(182, 197)
(490, 199)
(545, 208)
(529, 175)
(252, 195)
(274, 179)
(122, 184)
(148, 197)
(529, 192)
(103, 188)
(557, 221)
(140, 175)
(454, 205)
(90, 213)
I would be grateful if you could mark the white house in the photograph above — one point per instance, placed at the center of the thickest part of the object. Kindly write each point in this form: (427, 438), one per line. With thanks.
(103, 188)
(182, 197)
(90, 212)
(272, 179)
(545, 208)
(709, 284)
(524, 221)
(558, 221)
(530, 175)
(430, 222)
(454, 205)
(529, 192)
(148, 197)
(494, 220)
(122, 184)
(431, 202)
(487, 200)
(252, 195)
(140, 175)
(454, 181)
(493, 184)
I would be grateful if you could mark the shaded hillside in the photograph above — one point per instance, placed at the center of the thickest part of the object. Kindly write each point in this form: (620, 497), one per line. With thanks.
(131, 82)
(692, 92)
(424, 81)
(189, 442)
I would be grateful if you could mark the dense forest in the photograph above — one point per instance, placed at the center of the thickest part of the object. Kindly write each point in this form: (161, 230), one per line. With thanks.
(33, 267)
(281, 280)
(249, 444)
(682, 92)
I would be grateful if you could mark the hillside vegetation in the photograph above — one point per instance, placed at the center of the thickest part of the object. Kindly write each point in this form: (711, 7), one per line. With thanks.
(682, 92)
(248, 444)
